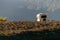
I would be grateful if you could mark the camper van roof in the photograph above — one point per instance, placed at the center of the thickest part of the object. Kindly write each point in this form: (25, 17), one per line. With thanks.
(41, 14)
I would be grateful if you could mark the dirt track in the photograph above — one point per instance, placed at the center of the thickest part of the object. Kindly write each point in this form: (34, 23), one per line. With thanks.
(14, 27)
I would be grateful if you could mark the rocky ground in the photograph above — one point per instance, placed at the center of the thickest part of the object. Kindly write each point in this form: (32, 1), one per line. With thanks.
(27, 30)
(17, 27)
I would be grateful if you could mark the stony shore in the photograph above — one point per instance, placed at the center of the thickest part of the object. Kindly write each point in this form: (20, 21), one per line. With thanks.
(17, 27)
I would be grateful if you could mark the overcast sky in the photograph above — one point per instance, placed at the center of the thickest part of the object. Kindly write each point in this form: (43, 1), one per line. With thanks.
(27, 9)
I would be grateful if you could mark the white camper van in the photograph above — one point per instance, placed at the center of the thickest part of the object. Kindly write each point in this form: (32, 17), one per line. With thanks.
(41, 17)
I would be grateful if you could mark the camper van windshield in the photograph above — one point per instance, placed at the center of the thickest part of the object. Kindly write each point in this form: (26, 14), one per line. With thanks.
(43, 16)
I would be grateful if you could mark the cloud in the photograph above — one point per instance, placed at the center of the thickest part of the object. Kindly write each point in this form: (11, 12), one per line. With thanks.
(54, 5)
(32, 6)
(51, 5)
